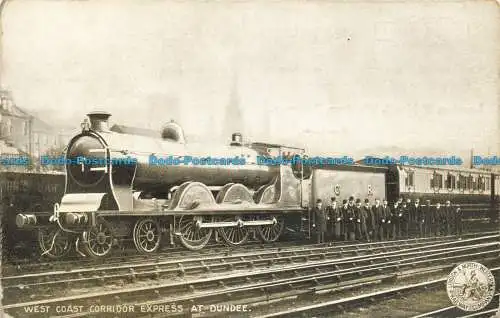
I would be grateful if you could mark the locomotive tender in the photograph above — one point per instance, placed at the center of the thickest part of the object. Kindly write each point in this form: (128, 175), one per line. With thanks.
(109, 203)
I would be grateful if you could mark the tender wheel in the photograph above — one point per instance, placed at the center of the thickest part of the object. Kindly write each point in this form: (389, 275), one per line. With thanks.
(147, 235)
(53, 242)
(271, 233)
(190, 235)
(234, 236)
(98, 240)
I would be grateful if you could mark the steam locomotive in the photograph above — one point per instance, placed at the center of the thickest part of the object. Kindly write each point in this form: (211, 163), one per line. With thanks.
(108, 203)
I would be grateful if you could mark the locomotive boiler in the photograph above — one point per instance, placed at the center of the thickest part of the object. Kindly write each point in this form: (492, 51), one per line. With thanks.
(121, 187)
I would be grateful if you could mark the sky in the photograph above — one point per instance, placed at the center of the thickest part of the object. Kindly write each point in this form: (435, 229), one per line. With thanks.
(333, 77)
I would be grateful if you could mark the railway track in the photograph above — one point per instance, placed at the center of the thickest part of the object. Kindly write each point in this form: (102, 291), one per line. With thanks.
(130, 256)
(294, 277)
(130, 272)
(352, 302)
(176, 253)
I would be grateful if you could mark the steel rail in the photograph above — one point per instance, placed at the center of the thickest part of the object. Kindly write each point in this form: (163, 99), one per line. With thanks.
(172, 253)
(341, 304)
(300, 286)
(201, 265)
(289, 272)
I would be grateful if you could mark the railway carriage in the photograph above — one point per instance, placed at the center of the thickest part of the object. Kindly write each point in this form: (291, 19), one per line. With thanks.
(26, 191)
(475, 190)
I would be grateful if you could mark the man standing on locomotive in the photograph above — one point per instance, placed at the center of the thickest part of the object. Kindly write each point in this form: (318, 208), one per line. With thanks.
(320, 220)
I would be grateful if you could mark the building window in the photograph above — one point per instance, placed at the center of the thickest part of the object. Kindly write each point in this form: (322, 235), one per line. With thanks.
(25, 128)
(8, 126)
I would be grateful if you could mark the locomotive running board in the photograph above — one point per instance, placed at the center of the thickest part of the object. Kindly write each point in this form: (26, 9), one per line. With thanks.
(81, 202)
(239, 223)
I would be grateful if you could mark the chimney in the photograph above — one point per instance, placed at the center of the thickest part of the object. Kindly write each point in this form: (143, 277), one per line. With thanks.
(99, 121)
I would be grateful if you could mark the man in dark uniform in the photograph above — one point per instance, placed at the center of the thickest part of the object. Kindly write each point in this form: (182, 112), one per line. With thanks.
(329, 236)
(440, 219)
(370, 220)
(378, 228)
(396, 225)
(405, 219)
(427, 219)
(361, 221)
(349, 223)
(412, 225)
(335, 215)
(351, 202)
(458, 221)
(450, 217)
(417, 218)
(319, 220)
(385, 222)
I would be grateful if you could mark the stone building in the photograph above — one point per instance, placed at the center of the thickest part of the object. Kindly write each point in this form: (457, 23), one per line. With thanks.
(25, 133)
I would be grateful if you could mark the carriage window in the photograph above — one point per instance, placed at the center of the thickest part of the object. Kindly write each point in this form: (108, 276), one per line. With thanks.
(450, 181)
(487, 183)
(481, 183)
(410, 179)
(437, 180)
(462, 181)
(470, 183)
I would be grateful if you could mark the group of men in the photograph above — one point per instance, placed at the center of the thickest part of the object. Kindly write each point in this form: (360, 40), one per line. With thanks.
(356, 221)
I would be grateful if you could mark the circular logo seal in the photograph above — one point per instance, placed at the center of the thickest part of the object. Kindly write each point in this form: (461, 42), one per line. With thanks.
(470, 286)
